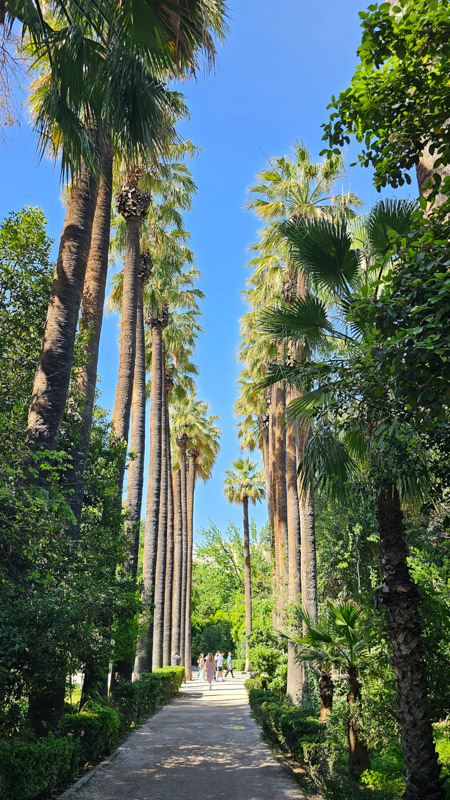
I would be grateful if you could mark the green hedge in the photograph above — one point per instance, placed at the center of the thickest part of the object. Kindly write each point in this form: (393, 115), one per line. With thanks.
(38, 769)
(305, 738)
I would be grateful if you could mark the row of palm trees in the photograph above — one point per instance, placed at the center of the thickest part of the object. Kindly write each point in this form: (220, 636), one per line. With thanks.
(288, 189)
(311, 262)
(102, 106)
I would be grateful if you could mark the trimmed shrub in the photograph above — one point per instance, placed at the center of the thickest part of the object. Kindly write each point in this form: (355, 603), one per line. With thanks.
(239, 664)
(94, 731)
(36, 769)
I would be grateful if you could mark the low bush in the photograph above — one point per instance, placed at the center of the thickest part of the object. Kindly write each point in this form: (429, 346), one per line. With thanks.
(239, 664)
(36, 770)
(94, 731)
(312, 744)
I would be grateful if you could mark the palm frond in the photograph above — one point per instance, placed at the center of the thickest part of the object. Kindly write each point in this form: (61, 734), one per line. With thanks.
(324, 249)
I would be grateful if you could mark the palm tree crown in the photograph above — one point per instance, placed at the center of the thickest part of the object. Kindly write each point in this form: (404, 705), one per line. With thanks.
(244, 480)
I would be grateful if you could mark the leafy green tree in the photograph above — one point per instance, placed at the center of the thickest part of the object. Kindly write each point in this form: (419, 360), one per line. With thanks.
(397, 101)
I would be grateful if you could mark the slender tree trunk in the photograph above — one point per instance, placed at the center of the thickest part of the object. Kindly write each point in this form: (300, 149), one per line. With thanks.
(127, 354)
(308, 540)
(281, 527)
(182, 443)
(135, 479)
(274, 528)
(51, 381)
(295, 672)
(326, 692)
(143, 661)
(160, 574)
(358, 754)
(193, 455)
(247, 586)
(124, 666)
(133, 205)
(399, 594)
(168, 597)
(177, 564)
(91, 325)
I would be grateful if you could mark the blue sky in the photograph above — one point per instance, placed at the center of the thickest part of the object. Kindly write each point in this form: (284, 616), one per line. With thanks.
(275, 76)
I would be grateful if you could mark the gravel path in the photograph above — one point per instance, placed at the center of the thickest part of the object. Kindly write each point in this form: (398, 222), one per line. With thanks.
(203, 746)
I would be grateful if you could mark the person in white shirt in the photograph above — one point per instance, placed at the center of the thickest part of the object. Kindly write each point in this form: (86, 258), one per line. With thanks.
(220, 665)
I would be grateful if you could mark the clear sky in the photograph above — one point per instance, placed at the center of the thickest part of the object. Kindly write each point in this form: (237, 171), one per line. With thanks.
(276, 73)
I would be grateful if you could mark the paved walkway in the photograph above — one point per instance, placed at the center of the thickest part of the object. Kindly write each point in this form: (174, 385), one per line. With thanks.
(203, 746)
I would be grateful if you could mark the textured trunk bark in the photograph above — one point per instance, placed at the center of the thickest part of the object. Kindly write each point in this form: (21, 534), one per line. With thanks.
(295, 672)
(400, 595)
(177, 564)
(143, 661)
(326, 692)
(127, 355)
(91, 324)
(160, 573)
(182, 443)
(51, 381)
(168, 597)
(135, 479)
(308, 539)
(124, 667)
(358, 754)
(280, 515)
(247, 586)
(273, 530)
(193, 455)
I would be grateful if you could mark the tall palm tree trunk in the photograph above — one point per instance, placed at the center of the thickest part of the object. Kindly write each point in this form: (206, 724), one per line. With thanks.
(247, 586)
(91, 324)
(168, 597)
(177, 564)
(400, 595)
(124, 667)
(295, 672)
(281, 525)
(308, 539)
(160, 572)
(193, 455)
(182, 444)
(135, 481)
(51, 381)
(133, 205)
(272, 500)
(143, 661)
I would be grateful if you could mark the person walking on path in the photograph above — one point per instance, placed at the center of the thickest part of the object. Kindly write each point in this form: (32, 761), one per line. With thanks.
(201, 664)
(220, 665)
(176, 659)
(210, 669)
(229, 665)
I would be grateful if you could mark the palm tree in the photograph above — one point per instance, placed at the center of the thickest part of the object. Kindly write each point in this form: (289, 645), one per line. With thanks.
(171, 287)
(341, 640)
(242, 484)
(191, 417)
(371, 433)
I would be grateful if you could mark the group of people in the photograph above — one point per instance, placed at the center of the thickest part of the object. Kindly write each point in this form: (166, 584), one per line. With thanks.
(211, 667)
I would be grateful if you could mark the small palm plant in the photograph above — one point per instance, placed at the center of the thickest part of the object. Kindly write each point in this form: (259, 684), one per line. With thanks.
(340, 640)
(245, 482)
